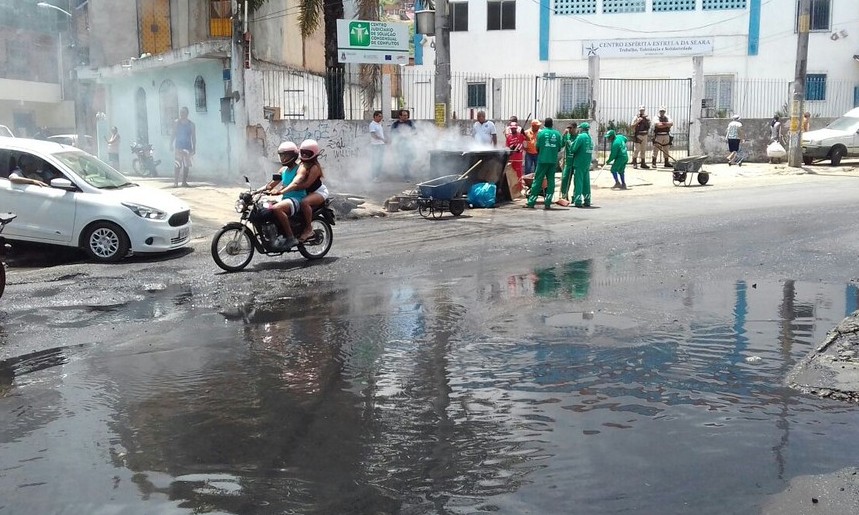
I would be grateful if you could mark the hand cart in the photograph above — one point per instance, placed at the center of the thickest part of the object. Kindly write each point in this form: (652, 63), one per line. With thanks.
(444, 193)
(686, 167)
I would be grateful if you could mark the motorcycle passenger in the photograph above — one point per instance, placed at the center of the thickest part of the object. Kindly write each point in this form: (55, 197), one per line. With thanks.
(309, 179)
(289, 203)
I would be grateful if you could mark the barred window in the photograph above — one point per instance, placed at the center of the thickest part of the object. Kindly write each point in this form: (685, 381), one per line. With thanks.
(714, 5)
(815, 86)
(574, 95)
(820, 15)
(575, 7)
(200, 94)
(719, 94)
(476, 94)
(458, 16)
(673, 5)
(623, 6)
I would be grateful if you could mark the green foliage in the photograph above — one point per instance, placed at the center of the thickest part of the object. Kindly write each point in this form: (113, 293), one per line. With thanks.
(579, 112)
(253, 5)
(309, 16)
(618, 127)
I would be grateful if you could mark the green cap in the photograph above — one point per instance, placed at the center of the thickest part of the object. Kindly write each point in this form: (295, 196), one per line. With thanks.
(610, 134)
(584, 125)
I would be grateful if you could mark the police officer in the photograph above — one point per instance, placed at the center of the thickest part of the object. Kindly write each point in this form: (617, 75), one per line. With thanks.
(640, 128)
(662, 137)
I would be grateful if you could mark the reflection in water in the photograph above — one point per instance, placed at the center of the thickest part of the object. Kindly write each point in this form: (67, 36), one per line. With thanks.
(437, 398)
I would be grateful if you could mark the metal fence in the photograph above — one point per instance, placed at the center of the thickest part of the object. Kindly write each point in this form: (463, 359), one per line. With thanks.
(299, 94)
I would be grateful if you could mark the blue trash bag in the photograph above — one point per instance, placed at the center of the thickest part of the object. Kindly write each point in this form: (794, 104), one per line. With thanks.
(482, 194)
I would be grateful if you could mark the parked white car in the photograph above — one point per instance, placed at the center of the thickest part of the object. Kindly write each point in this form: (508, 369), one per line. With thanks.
(88, 204)
(6, 132)
(838, 140)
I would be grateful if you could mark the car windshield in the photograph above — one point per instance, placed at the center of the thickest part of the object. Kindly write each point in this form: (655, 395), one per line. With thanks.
(93, 171)
(845, 123)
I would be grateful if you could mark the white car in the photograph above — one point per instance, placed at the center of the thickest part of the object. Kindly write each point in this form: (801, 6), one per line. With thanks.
(88, 204)
(838, 140)
(6, 132)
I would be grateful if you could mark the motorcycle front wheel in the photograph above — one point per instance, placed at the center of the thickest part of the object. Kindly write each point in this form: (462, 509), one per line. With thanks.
(320, 243)
(233, 248)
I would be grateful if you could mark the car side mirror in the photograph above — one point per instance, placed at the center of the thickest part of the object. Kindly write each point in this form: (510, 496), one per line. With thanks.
(63, 184)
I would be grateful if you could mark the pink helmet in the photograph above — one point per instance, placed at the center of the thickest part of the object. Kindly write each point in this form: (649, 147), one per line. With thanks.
(287, 146)
(309, 149)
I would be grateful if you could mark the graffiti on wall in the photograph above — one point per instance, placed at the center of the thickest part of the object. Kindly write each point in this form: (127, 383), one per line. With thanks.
(340, 139)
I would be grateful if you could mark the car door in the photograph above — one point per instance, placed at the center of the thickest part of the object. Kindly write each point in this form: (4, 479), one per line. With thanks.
(44, 214)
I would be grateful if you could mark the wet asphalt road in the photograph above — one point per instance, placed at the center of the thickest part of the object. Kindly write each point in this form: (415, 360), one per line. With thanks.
(482, 271)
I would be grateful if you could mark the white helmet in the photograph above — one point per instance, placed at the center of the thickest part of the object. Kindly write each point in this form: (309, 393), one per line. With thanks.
(287, 146)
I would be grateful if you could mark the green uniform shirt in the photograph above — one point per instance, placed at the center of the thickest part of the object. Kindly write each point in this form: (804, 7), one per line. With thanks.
(548, 146)
(618, 150)
(568, 144)
(583, 149)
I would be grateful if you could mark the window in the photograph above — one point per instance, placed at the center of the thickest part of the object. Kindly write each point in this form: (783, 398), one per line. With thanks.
(168, 106)
(819, 15)
(458, 16)
(719, 94)
(575, 7)
(623, 6)
(220, 22)
(715, 5)
(856, 96)
(815, 86)
(200, 94)
(574, 95)
(477, 94)
(673, 5)
(501, 15)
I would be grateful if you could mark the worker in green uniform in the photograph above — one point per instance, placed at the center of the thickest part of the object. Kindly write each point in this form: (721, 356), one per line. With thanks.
(583, 150)
(567, 175)
(548, 146)
(617, 158)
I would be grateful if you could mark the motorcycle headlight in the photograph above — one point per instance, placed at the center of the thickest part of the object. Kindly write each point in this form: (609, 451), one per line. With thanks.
(145, 212)
(240, 206)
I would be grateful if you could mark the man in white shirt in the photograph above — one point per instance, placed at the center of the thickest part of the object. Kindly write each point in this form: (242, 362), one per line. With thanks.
(377, 145)
(484, 131)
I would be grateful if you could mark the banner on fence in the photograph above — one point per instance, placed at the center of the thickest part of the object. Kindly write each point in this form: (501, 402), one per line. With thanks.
(372, 42)
(662, 47)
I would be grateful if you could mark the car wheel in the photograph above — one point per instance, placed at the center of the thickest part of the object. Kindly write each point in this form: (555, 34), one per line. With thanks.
(105, 242)
(807, 160)
(836, 154)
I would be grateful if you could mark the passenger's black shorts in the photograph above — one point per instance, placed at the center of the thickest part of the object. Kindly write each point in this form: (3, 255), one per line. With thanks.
(733, 145)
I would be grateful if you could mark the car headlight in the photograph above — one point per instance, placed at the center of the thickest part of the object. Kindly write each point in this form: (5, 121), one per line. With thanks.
(240, 206)
(145, 212)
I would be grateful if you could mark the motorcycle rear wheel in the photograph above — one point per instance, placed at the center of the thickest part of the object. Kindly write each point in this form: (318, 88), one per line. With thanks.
(2, 278)
(319, 245)
(233, 248)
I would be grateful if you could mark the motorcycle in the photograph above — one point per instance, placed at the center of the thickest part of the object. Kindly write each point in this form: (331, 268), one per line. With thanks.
(5, 218)
(234, 244)
(144, 162)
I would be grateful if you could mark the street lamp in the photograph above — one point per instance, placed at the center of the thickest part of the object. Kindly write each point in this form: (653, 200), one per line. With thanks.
(60, 64)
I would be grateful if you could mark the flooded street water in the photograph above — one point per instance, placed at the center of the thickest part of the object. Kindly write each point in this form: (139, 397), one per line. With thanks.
(574, 388)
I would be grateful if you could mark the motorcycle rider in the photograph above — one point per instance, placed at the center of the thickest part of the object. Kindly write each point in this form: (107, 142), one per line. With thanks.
(290, 199)
(309, 180)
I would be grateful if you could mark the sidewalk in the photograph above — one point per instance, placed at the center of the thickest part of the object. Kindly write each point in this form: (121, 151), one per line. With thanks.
(214, 204)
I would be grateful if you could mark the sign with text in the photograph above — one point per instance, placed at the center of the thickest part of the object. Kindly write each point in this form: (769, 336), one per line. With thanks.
(662, 47)
(372, 42)
(440, 115)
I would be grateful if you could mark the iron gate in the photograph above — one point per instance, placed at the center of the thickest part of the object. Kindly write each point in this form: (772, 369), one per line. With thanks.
(620, 99)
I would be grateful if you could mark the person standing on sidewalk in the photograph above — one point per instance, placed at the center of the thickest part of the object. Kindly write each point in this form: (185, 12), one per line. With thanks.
(734, 134)
(617, 158)
(184, 145)
(548, 146)
(583, 151)
(113, 148)
(531, 147)
(567, 174)
(640, 128)
(662, 137)
(377, 145)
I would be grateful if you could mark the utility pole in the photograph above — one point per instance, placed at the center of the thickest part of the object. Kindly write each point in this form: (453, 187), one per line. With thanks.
(797, 106)
(442, 64)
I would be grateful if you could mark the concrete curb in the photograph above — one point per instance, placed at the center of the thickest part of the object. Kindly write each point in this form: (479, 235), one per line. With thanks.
(832, 369)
